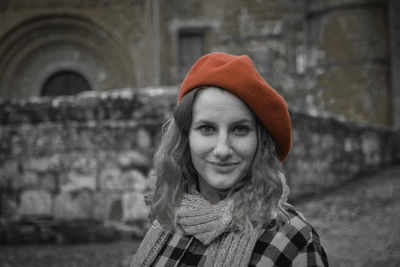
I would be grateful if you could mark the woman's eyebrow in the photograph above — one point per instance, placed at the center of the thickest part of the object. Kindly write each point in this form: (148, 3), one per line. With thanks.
(243, 121)
(236, 122)
(200, 121)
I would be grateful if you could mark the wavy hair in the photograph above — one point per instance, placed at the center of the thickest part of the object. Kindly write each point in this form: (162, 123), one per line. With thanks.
(259, 198)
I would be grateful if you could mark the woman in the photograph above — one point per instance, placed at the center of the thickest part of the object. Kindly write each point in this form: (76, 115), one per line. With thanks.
(220, 196)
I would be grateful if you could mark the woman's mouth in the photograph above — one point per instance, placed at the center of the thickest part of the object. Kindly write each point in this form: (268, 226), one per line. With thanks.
(223, 164)
(224, 167)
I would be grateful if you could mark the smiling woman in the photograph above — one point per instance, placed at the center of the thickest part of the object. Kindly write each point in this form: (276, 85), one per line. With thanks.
(221, 197)
(222, 141)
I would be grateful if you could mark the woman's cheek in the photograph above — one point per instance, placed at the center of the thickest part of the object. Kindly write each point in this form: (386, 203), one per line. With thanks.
(198, 144)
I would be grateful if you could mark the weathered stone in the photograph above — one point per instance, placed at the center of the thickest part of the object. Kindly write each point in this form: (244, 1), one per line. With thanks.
(134, 207)
(99, 207)
(41, 165)
(47, 233)
(349, 145)
(144, 139)
(370, 147)
(48, 181)
(20, 234)
(76, 181)
(10, 176)
(104, 200)
(116, 211)
(111, 179)
(72, 205)
(394, 22)
(119, 206)
(328, 142)
(85, 164)
(35, 202)
(18, 144)
(29, 179)
(48, 140)
(134, 180)
(8, 207)
(348, 74)
(133, 159)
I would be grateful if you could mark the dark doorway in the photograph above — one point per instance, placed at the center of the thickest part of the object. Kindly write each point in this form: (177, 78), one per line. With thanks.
(65, 83)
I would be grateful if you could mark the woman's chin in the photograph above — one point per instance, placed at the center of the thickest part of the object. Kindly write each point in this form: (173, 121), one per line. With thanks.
(223, 184)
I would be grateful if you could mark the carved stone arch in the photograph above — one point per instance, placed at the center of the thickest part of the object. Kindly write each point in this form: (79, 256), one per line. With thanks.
(34, 50)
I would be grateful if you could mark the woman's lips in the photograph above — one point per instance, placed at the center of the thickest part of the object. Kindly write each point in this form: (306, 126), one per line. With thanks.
(223, 164)
(224, 167)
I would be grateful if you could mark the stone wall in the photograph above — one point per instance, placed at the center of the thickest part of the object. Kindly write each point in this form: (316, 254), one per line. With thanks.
(87, 158)
(349, 59)
(327, 152)
(79, 159)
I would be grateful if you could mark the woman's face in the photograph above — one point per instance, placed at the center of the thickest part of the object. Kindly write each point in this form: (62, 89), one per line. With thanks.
(222, 139)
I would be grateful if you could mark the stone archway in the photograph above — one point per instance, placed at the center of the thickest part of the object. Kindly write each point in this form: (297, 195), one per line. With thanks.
(37, 49)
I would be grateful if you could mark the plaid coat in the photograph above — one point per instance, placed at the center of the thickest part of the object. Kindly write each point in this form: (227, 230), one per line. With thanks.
(295, 243)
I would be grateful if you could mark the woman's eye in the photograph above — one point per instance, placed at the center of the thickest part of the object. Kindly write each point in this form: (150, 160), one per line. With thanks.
(241, 130)
(206, 129)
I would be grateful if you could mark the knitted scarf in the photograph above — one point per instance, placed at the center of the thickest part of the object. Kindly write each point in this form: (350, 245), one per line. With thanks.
(211, 224)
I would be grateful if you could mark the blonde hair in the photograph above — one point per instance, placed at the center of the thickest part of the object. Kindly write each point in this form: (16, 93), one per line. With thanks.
(259, 198)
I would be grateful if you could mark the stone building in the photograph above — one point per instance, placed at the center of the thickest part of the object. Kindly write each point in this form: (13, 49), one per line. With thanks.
(337, 57)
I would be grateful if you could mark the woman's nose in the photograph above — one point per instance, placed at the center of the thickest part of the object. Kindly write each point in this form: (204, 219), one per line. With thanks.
(223, 148)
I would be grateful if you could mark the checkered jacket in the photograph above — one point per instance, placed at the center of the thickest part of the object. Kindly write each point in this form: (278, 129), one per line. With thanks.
(294, 244)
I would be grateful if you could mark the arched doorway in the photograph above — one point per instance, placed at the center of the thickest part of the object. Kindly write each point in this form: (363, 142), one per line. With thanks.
(65, 83)
(72, 43)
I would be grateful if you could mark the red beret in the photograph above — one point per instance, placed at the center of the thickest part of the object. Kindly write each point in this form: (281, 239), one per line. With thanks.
(238, 75)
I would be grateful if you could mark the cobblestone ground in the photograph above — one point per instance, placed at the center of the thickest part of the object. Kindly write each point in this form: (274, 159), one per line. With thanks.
(358, 224)
(116, 254)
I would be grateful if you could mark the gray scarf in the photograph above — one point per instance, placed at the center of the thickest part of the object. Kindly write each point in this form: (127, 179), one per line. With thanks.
(212, 226)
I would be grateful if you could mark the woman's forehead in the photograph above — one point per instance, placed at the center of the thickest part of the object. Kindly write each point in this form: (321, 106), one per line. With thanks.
(216, 102)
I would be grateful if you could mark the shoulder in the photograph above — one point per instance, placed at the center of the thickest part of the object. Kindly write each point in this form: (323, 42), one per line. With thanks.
(285, 243)
(151, 244)
(297, 229)
(294, 232)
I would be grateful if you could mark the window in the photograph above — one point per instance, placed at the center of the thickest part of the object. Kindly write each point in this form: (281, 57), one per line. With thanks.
(65, 83)
(190, 49)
